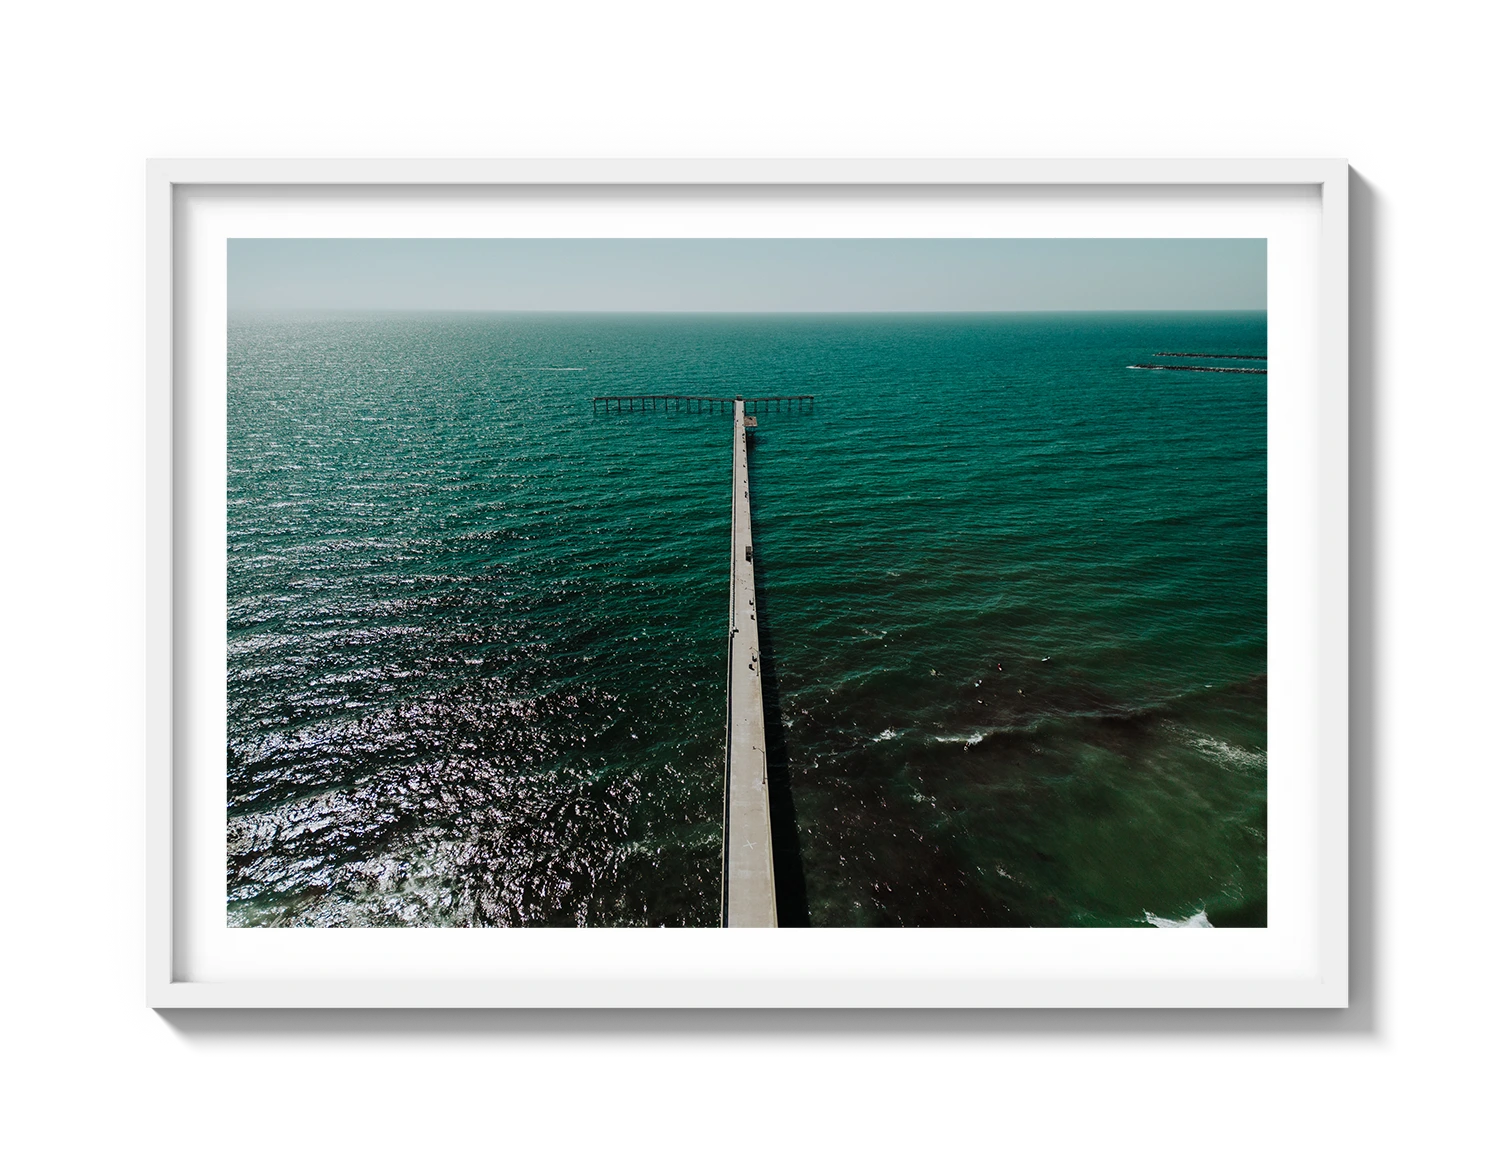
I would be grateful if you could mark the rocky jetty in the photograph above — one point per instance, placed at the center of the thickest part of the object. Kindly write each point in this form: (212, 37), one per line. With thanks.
(1202, 369)
(1229, 357)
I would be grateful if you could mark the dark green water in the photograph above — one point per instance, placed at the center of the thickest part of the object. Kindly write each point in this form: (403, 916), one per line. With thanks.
(1013, 603)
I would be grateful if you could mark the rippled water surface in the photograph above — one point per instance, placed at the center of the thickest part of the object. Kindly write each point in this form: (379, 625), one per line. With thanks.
(1013, 598)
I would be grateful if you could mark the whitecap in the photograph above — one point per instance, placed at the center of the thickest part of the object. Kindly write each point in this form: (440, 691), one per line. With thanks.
(1227, 753)
(1198, 921)
(968, 740)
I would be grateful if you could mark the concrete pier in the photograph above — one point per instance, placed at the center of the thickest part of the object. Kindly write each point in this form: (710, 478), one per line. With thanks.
(749, 895)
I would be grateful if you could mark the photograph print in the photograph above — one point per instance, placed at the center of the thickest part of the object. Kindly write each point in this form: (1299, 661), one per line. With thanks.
(746, 582)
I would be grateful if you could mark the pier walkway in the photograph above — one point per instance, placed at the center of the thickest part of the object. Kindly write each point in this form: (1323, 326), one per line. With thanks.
(749, 896)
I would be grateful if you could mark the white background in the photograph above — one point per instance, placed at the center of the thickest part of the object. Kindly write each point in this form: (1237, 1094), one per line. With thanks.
(1404, 1077)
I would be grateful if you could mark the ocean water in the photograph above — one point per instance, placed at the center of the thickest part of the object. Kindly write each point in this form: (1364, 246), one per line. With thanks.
(1012, 592)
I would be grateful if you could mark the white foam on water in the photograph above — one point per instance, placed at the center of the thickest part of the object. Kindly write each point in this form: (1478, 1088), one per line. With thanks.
(968, 740)
(1227, 753)
(888, 733)
(1198, 921)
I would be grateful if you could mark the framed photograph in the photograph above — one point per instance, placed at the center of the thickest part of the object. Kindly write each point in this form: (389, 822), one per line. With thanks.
(748, 584)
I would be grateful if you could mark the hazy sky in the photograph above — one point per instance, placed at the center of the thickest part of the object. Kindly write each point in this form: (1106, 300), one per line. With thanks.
(747, 275)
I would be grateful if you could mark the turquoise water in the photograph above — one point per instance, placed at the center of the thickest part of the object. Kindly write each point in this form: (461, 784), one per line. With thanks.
(1013, 603)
